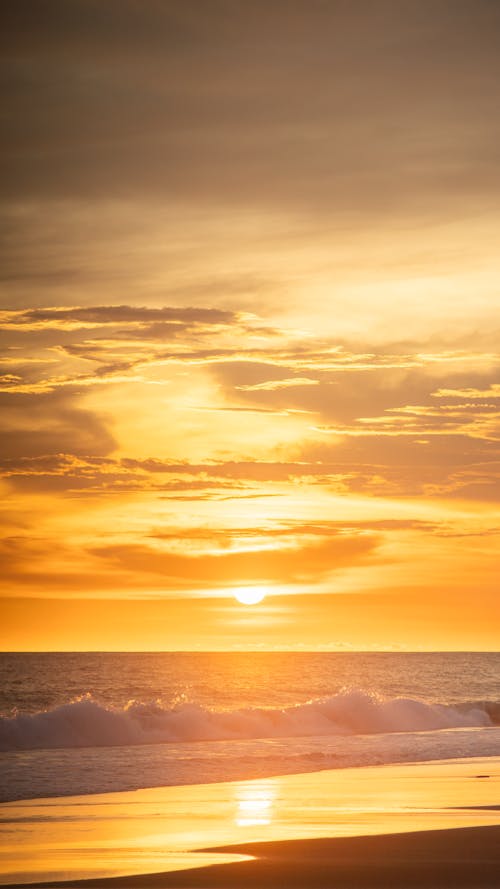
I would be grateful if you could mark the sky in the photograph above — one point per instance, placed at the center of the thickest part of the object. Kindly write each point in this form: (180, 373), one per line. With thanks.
(249, 324)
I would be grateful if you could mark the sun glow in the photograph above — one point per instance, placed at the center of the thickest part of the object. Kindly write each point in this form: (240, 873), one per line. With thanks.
(250, 595)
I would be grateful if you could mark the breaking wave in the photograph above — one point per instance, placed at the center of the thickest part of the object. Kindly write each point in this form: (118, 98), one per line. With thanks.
(87, 723)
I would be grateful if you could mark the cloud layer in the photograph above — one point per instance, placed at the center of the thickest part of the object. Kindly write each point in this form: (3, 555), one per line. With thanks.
(249, 309)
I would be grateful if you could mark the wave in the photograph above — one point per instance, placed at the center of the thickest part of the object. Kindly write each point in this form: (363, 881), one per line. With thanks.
(85, 722)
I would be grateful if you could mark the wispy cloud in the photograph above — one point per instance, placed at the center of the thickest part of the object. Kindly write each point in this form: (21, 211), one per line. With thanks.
(249, 323)
(122, 316)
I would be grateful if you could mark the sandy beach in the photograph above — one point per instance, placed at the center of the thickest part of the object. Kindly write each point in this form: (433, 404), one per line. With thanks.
(428, 824)
(467, 857)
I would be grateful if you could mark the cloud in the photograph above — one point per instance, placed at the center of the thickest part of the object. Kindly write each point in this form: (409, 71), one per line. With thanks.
(47, 565)
(272, 385)
(398, 419)
(412, 466)
(249, 278)
(446, 466)
(286, 528)
(38, 424)
(196, 559)
(76, 474)
(125, 339)
(291, 564)
(84, 317)
(148, 107)
(492, 391)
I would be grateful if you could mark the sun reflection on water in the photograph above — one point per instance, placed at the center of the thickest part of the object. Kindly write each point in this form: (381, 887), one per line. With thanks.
(254, 805)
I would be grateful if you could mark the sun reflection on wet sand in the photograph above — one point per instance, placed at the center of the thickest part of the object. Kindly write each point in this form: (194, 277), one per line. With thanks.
(255, 804)
(161, 829)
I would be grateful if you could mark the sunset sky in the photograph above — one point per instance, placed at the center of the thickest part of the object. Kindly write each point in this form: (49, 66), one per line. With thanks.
(250, 324)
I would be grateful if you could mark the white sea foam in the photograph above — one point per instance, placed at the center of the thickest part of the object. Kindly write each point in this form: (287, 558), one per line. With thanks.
(87, 723)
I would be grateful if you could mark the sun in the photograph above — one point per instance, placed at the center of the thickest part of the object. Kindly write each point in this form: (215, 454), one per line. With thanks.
(250, 595)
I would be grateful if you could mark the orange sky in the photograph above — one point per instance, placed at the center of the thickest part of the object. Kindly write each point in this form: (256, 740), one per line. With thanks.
(249, 325)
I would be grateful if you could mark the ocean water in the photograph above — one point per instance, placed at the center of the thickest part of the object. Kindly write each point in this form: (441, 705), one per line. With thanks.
(92, 723)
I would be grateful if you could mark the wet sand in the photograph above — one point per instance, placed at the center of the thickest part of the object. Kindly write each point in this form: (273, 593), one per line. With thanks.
(465, 857)
(428, 824)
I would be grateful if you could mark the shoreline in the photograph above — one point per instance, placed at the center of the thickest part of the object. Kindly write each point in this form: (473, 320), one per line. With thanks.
(275, 830)
(462, 858)
(164, 770)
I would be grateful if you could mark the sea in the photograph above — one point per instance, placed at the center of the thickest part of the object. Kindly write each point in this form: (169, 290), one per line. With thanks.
(86, 723)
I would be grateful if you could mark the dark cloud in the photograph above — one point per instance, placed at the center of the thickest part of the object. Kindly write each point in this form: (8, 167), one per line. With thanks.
(380, 381)
(115, 316)
(76, 473)
(51, 423)
(448, 466)
(116, 339)
(174, 99)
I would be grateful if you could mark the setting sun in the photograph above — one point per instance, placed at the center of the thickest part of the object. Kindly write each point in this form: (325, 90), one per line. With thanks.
(250, 595)
(250, 444)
